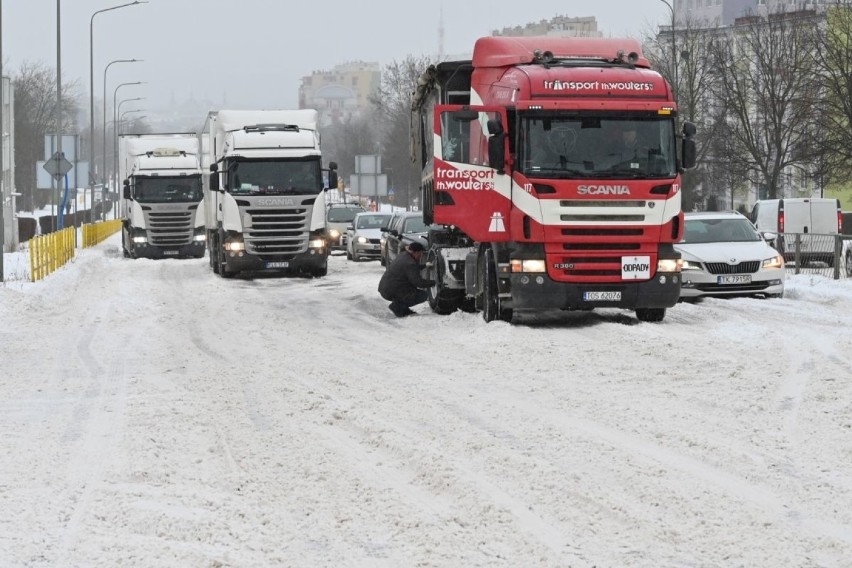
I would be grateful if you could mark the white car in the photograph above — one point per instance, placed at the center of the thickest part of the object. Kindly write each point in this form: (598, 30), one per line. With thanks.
(363, 235)
(724, 255)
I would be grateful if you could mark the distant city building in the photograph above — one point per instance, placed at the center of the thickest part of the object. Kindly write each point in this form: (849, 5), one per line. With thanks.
(725, 12)
(342, 92)
(559, 26)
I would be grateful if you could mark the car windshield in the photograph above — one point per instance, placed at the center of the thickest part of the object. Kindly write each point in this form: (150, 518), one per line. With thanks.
(414, 225)
(342, 214)
(719, 231)
(372, 221)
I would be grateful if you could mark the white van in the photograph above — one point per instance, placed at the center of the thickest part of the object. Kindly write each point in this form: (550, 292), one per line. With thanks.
(804, 216)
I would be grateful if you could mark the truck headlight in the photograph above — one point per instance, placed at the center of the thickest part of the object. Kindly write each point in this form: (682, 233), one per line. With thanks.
(140, 239)
(528, 265)
(669, 264)
(334, 234)
(234, 246)
(316, 243)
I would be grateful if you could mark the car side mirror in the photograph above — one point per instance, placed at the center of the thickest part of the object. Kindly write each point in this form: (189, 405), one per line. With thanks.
(769, 237)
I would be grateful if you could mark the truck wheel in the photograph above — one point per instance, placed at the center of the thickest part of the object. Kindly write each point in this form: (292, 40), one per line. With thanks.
(491, 305)
(650, 314)
(442, 300)
(124, 250)
(223, 270)
(212, 247)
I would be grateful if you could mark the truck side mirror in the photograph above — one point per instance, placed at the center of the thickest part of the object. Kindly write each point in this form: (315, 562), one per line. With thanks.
(214, 178)
(688, 153)
(332, 175)
(496, 146)
(125, 193)
(688, 150)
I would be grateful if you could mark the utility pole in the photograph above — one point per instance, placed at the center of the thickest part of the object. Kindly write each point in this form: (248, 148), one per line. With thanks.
(2, 149)
(58, 100)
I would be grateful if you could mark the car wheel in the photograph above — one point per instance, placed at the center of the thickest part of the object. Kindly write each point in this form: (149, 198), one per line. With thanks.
(849, 264)
(650, 314)
(348, 255)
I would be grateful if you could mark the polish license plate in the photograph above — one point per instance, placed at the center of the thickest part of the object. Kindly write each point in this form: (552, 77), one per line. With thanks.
(734, 279)
(283, 264)
(171, 252)
(602, 296)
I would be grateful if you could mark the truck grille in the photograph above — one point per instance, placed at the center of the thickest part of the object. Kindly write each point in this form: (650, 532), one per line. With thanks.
(170, 228)
(276, 233)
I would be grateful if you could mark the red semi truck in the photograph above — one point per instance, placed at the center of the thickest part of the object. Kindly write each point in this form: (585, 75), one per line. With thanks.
(552, 167)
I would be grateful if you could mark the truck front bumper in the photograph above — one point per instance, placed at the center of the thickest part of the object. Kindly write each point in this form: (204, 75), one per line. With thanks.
(539, 291)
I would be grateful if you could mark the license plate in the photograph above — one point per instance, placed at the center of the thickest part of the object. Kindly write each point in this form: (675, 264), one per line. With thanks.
(602, 296)
(737, 279)
(277, 264)
(171, 252)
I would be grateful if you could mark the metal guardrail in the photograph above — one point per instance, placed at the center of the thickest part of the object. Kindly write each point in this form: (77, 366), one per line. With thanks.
(811, 253)
(96, 232)
(51, 251)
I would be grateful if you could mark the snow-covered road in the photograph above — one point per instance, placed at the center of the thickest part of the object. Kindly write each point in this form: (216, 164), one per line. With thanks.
(153, 414)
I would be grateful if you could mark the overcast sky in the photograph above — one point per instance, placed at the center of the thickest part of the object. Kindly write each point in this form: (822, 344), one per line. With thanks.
(252, 53)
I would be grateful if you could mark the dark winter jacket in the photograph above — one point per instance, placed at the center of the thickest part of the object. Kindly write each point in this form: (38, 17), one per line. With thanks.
(402, 278)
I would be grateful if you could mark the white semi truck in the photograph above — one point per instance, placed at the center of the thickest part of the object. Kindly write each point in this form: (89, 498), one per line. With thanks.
(264, 195)
(161, 202)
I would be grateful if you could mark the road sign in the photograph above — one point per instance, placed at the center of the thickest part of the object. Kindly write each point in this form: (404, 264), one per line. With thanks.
(58, 166)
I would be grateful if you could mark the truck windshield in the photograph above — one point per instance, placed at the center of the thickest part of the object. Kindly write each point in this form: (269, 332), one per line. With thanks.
(276, 177)
(163, 189)
(586, 147)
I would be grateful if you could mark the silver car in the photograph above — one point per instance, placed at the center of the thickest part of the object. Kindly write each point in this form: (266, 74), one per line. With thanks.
(724, 255)
(362, 237)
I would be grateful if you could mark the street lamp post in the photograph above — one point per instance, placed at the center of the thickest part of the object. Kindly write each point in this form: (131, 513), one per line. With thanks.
(674, 48)
(92, 91)
(103, 161)
(115, 130)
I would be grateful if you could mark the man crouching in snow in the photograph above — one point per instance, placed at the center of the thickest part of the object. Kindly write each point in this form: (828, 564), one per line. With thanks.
(401, 283)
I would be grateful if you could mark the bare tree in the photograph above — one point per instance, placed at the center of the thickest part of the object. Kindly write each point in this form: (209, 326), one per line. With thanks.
(393, 104)
(766, 72)
(354, 136)
(834, 67)
(35, 117)
(692, 77)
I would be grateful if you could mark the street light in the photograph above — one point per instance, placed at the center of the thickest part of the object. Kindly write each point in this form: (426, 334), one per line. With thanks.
(118, 111)
(92, 89)
(674, 48)
(103, 162)
(121, 119)
(115, 130)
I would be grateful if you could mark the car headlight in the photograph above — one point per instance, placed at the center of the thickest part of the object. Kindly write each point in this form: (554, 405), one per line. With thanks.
(691, 265)
(334, 233)
(669, 264)
(774, 262)
(362, 240)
